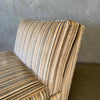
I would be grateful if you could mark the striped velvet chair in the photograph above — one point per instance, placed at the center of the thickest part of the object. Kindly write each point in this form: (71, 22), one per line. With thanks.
(42, 64)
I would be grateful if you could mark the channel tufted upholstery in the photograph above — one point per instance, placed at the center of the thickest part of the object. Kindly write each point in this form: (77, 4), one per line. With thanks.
(49, 49)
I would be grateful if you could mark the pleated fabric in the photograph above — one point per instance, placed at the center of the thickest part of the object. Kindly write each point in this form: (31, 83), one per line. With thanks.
(45, 46)
(17, 82)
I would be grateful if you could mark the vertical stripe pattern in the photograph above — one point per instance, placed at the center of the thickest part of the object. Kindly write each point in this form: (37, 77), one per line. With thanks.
(70, 65)
(56, 96)
(45, 46)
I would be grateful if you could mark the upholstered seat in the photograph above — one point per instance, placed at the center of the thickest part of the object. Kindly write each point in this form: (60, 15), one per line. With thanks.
(49, 49)
(17, 81)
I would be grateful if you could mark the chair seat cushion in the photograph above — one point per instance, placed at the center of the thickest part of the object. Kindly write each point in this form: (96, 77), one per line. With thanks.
(17, 81)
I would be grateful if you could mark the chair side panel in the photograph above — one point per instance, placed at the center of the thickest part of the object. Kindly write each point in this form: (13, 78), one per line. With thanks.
(70, 65)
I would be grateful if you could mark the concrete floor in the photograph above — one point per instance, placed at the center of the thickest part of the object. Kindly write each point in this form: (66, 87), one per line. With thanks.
(86, 82)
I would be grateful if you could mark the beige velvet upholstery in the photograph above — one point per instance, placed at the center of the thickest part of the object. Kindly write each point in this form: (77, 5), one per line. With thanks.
(50, 49)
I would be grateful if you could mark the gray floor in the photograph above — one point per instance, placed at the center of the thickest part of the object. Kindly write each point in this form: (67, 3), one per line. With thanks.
(86, 82)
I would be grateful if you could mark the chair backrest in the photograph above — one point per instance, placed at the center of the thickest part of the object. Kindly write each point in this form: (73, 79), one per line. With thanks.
(45, 47)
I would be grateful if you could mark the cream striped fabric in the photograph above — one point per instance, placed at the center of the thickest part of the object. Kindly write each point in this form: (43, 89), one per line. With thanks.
(50, 49)
(70, 65)
(44, 46)
(17, 82)
(56, 96)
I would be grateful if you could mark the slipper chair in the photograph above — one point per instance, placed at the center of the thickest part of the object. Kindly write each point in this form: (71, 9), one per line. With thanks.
(43, 61)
